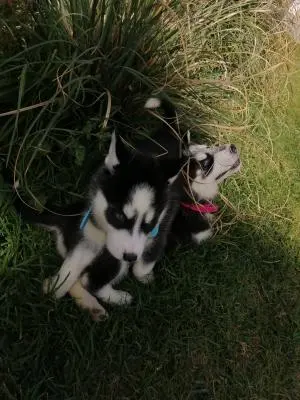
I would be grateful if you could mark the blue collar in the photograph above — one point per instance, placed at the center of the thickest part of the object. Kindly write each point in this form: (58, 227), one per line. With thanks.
(87, 215)
(85, 219)
(154, 231)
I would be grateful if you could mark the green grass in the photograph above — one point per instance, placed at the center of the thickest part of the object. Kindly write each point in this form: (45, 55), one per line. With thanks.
(220, 322)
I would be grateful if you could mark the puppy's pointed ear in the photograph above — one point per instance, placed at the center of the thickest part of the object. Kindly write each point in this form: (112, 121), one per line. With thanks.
(117, 153)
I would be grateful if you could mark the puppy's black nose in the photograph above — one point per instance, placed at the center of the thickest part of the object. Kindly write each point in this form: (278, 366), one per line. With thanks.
(130, 257)
(233, 148)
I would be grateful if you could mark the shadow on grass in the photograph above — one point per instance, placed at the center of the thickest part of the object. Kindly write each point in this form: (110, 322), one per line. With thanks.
(220, 322)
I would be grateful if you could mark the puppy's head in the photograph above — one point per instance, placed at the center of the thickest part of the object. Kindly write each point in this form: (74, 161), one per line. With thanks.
(209, 166)
(129, 198)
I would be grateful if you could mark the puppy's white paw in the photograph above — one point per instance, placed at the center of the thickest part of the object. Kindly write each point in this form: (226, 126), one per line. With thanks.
(146, 279)
(112, 296)
(125, 298)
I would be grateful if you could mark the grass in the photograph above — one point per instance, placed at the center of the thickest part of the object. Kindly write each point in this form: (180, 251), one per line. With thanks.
(220, 322)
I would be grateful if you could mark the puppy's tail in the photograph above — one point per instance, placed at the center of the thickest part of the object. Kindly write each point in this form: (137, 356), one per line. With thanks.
(168, 108)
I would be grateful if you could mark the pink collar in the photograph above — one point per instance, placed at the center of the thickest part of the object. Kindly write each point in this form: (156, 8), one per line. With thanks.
(206, 208)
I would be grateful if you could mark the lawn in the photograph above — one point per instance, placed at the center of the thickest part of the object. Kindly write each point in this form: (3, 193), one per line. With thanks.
(221, 321)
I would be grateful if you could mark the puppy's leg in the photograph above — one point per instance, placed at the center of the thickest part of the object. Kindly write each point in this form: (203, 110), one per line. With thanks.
(88, 302)
(71, 269)
(144, 271)
(202, 236)
(112, 296)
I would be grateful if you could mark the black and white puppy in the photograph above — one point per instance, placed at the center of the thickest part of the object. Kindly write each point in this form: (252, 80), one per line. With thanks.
(207, 168)
(133, 200)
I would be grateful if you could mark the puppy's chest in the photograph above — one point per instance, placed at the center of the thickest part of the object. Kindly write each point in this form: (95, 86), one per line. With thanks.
(96, 237)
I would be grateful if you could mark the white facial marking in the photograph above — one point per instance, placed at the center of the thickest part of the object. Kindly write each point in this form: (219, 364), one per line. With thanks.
(196, 148)
(129, 211)
(111, 160)
(139, 206)
(149, 215)
(200, 156)
(142, 198)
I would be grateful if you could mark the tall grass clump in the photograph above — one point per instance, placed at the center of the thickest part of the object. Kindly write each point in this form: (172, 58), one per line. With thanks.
(72, 66)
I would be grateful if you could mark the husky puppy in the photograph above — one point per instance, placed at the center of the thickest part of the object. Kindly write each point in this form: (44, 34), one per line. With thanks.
(129, 217)
(208, 167)
(131, 205)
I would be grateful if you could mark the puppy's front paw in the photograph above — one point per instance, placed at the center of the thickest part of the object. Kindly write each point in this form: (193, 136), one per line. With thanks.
(95, 309)
(125, 298)
(98, 315)
(146, 279)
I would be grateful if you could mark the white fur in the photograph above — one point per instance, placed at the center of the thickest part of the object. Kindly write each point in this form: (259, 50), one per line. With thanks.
(99, 207)
(60, 246)
(205, 189)
(88, 302)
(122, 272)
(202, 236)
(149, 215)
(111, 160)
(143, 272)
(141, 199)
(152, 103)
(112, 296)
(196, 148)
(95, 235)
